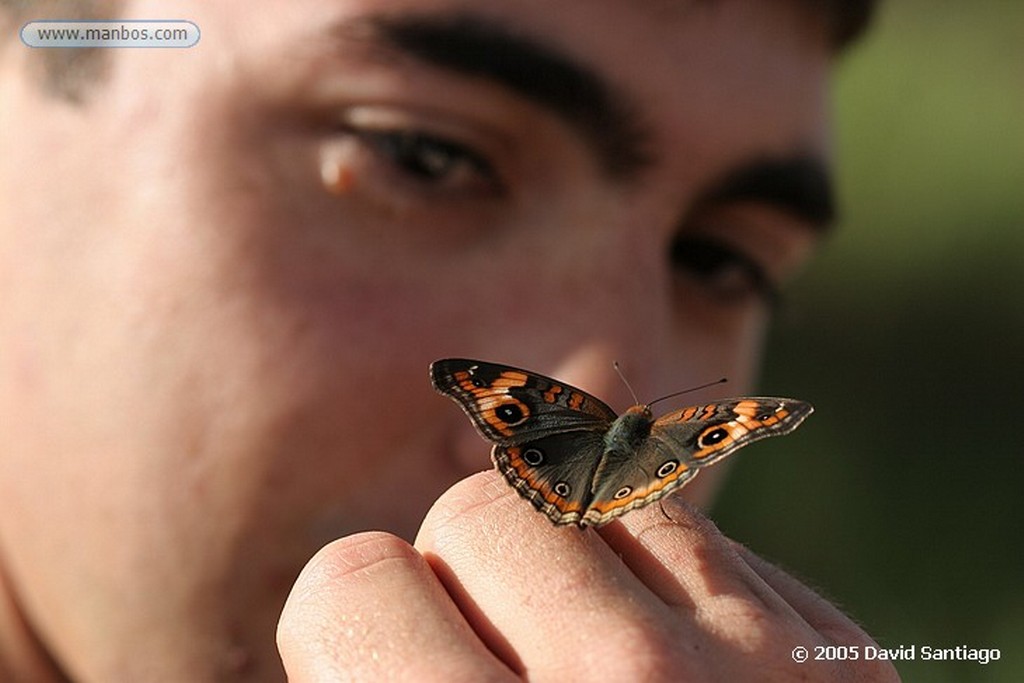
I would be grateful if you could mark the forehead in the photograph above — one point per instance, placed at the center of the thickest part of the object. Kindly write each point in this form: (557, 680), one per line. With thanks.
(707, 78)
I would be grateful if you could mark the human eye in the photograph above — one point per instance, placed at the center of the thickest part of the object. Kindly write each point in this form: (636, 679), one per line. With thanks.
(721, 270)
(410, 157)
(430, 160)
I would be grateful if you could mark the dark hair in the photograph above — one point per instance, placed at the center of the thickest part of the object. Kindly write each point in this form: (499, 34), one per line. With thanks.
(66, 73)
(69, 73)
(846, 20)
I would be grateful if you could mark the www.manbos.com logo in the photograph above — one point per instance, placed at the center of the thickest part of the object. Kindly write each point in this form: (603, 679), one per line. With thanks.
(173, 33)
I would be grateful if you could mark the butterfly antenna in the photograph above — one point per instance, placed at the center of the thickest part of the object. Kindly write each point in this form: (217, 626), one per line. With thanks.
(618, 371)
(723, 380)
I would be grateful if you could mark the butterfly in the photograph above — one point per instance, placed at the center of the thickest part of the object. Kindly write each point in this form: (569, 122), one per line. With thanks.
(578, 462)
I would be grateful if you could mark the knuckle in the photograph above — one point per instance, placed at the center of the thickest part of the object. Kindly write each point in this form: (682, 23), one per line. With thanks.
(746, 615)
(352, 556)
(334, 566)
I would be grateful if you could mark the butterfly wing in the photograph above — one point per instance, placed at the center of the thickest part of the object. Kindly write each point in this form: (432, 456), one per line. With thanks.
(683, 442)
(703, 435)
(511, 406)
(554, 472)
(631, 481)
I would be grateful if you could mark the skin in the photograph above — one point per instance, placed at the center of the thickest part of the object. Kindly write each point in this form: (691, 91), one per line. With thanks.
(221, 294)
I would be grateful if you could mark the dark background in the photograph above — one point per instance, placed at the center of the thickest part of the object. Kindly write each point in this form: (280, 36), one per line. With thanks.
(902, 497)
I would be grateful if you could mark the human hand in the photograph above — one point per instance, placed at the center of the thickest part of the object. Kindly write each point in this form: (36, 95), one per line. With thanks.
(493, 592)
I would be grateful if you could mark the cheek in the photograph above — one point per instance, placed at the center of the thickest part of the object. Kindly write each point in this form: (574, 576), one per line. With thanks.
(284, 400)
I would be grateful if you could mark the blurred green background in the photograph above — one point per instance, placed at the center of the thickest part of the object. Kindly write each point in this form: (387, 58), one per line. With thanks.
(902, 498)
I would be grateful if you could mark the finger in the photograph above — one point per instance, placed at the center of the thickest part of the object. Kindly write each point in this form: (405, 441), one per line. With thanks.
(539, 595)
(823, 616)
(683, 557)
(735, 595)
(368, 607)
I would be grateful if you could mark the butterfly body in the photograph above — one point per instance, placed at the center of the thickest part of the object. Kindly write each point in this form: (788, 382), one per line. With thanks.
(577, 461)
(629, 430)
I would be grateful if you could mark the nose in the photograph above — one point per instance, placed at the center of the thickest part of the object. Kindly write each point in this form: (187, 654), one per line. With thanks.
(616, 364)
(590, 367)
(625, 317)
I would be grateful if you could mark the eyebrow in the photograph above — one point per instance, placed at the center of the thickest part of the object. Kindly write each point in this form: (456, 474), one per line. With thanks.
(478, 47)
(800, 185)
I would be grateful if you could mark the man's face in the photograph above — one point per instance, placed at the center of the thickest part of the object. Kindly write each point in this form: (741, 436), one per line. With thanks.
(225, 276)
